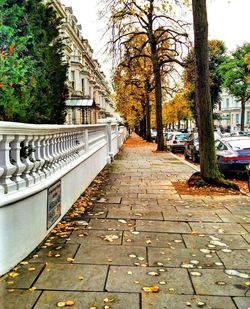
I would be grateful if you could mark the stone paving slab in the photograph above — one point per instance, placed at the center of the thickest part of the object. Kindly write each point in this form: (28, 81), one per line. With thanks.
(55, 254)
(216, 282)
(111, 224)
(191, 216)
(86, 300)
(166, 226)
(139, 208)
(198, 208)
(152, 301)
(72, 277)
(178, 257)
(152, 202)
(95, 237)
(151, 239)
(247, 238)
(237, 218)
(234, 258)
(242, 302)
(112, 255)
(105, 207)
(139, 215)
(95, 213)
(133, 279)
(247, 227)
(218, 228)
(203, 241)
(18, 299)
(22, 277)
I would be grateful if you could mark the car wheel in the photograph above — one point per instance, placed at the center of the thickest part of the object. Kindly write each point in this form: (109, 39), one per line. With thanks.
(186, 156)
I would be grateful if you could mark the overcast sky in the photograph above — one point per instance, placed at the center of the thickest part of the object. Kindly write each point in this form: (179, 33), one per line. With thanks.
(228, 21)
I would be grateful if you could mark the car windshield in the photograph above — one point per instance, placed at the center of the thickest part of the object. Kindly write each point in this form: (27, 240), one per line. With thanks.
(181, 137)
(240, 144)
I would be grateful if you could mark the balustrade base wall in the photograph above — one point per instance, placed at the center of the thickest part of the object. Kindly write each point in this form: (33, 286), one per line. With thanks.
(75, 164)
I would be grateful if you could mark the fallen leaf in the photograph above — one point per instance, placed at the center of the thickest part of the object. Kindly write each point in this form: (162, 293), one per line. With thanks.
(153, 273)
(195, 273)
(13, 274)
(67, 303)
(50, 254)
(110, 238)
(122, 221)
(132, 255)
(31, 269)
(153, 289)
(220, 283)
(70, 259)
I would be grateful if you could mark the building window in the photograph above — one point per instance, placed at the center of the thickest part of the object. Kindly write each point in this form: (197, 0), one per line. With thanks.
(237, 118)
(227, 102)
(248, 117)
(73, 79)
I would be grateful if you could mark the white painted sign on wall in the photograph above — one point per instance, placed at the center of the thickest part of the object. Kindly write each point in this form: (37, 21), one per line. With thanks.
(54, 203)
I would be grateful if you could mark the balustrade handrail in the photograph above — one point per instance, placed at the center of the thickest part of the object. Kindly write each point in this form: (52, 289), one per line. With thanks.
(21, 128)
(31, 155)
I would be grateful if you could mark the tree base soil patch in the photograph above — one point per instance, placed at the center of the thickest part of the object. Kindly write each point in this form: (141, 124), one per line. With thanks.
(183, 188)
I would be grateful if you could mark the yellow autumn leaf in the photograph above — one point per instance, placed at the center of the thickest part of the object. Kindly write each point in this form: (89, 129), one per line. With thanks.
(152, 289)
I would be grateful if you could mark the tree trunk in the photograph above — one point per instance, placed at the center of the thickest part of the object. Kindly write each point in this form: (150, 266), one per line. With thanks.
(208, 162)
(148, 119)
(157, 77)
(158, 107)
(242, 118)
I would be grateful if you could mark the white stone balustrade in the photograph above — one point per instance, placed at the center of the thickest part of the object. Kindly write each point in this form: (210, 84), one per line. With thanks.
(34, 159)
(31, 154)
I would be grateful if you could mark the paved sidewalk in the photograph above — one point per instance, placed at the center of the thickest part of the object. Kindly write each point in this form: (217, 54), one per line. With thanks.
(193, 252)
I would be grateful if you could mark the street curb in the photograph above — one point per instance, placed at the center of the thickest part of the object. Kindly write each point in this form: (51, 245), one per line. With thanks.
(186, 162)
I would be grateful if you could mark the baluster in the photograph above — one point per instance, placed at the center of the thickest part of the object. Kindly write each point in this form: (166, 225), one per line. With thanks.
(46, 167)
(64, 148)
(56, 141)
(26, 175)
(55, 165)
(48, 153)
(6, 168)
(61, 150)
(39, 156)
(67, 144)
(34, 171)
(86, 140)
(20, 166)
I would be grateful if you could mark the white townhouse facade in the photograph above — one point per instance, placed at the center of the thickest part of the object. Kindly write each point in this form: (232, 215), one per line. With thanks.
(230, 113)
(89, 93)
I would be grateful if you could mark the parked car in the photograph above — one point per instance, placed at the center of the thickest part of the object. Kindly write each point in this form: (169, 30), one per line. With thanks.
(233, 154)
(153, 134)
(176, 141)
(191, 150)
(248, 177)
